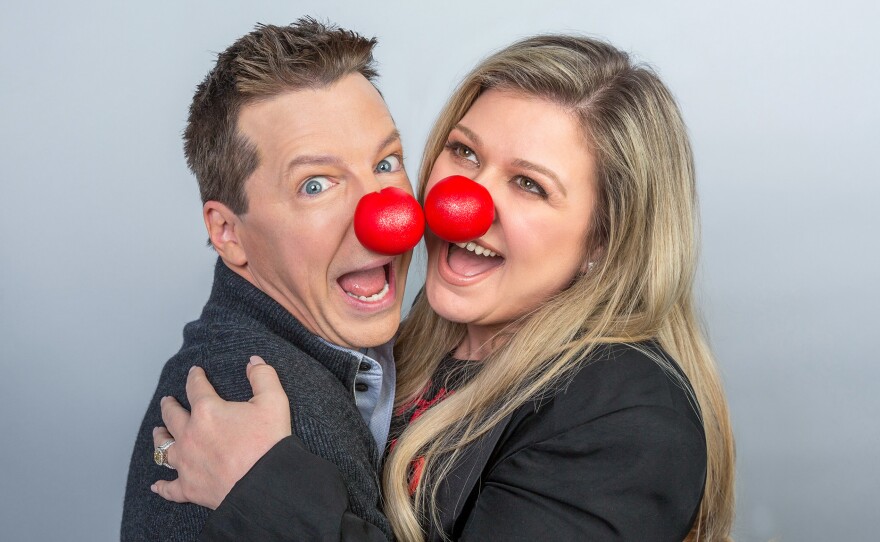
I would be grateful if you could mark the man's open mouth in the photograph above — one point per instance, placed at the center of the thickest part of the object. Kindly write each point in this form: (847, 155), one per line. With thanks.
(369, 285)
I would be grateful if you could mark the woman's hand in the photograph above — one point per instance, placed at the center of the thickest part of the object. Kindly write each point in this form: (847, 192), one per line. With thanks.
(220, 441)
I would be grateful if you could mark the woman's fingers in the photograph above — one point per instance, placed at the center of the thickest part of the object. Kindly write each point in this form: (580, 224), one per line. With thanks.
(198, 387)
(219, 441)
(264, 381)
(174, 416)
(160, 437)
(170, 490)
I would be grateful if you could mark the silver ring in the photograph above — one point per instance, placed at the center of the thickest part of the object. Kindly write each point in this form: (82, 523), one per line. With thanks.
(160, 453)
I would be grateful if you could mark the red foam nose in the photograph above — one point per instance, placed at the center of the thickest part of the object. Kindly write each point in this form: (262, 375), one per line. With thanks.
(459, 209)
(389, 222)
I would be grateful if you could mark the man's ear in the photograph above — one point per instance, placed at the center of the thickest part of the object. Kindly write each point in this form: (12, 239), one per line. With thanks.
(223, 231)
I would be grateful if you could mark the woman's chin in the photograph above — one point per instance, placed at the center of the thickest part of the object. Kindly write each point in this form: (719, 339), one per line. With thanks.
(449, 305)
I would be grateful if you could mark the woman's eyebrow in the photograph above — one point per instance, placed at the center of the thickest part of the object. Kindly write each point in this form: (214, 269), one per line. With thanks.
(470, 133)
(519, 162)
(547, 172)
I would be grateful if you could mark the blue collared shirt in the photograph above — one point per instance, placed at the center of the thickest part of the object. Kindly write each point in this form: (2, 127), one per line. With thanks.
(374, 388)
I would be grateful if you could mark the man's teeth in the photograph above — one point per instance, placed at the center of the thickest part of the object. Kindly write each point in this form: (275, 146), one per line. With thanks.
(375, 297)
(477, 249)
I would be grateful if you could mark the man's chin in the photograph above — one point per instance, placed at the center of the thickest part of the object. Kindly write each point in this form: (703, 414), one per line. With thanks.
(371, 332)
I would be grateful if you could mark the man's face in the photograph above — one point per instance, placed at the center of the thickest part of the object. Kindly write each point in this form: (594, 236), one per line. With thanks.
(319, 152)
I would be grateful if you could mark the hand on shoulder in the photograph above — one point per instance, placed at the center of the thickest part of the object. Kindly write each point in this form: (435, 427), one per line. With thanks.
(219, 441)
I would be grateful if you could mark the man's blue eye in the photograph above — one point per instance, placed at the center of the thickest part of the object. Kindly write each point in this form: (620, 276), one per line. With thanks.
(315, 185)
(389, 164)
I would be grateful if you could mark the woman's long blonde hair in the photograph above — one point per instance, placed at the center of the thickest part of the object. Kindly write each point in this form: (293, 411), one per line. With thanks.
(640, 288)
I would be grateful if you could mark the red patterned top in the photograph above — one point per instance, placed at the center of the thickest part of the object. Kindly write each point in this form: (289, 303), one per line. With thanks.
(450, 375)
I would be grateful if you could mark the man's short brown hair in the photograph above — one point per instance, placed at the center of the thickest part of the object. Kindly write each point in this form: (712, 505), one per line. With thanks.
(264, 63)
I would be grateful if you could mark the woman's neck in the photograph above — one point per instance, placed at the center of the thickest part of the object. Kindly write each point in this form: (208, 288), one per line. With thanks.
(480, 341)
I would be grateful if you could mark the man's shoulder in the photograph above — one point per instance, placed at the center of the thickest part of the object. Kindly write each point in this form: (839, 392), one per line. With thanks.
(223, 347)
(226, 336)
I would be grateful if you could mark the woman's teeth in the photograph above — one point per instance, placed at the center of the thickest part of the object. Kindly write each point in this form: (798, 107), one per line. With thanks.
(477, 249)
(373, 298)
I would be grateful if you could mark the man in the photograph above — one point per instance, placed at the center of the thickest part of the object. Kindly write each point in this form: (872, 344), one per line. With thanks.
(285, 135)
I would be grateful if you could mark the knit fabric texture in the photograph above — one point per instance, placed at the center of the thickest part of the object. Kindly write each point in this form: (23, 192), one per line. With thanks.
(237, 322)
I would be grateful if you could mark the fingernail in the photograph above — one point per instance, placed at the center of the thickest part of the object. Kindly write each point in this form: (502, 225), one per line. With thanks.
(191, 368)
(162, 400)
(257, 360)
(154, 431)
(154, 489)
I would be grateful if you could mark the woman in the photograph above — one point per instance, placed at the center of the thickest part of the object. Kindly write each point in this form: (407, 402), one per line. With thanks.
(553, 380)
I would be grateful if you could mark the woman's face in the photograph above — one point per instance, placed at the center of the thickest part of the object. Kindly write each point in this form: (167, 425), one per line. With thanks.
(532, 157)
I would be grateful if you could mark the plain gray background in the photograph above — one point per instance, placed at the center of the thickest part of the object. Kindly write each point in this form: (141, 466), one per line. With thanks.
(103, 257)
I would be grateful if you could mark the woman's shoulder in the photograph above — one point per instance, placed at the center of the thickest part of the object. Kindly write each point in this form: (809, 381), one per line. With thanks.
(618, 448)
(617, 376)
(639, 384)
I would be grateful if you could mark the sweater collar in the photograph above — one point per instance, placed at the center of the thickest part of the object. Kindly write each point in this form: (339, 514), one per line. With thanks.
(234, 293)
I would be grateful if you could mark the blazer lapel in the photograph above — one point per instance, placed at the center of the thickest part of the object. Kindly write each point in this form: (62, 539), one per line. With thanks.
(457, 486)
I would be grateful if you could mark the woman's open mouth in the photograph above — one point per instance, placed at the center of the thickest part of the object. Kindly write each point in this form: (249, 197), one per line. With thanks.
(471, 259)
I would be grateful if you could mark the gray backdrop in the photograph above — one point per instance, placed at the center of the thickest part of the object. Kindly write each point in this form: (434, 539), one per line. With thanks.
(103, 256)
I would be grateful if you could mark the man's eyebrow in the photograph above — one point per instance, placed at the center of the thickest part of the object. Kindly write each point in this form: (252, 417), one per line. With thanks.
(332, 160)
(470, 133)
(392, 137)
(525, 164)
(314, 160)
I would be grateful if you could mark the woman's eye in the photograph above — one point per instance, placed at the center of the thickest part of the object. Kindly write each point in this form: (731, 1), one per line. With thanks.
(390, 164)
(463, 151)
(530, 185)
(315, 185)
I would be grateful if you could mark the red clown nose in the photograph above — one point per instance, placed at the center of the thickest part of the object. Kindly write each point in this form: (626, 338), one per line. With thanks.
(459, 209)
(389, 222)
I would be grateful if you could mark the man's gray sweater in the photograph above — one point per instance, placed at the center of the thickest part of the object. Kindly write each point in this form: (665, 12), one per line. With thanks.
(239, 321)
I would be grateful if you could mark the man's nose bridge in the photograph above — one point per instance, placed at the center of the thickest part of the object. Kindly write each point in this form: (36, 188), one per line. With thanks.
(368, 182)
(364, 182)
